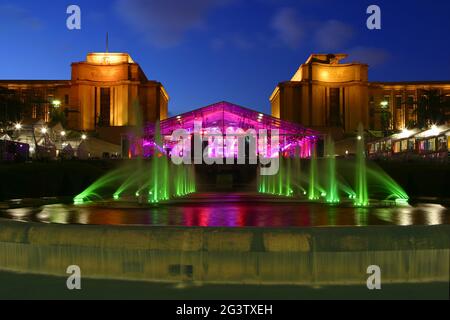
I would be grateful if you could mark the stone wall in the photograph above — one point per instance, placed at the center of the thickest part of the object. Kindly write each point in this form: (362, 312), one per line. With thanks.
(318, 256)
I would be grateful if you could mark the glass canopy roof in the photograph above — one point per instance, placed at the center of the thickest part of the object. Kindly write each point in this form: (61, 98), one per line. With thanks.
(224, 115)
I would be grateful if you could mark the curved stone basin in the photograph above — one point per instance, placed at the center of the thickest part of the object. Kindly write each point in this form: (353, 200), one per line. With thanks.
(244, 241)
(295, 256)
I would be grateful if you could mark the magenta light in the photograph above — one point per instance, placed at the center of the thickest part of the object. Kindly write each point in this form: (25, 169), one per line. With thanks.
(226, 118)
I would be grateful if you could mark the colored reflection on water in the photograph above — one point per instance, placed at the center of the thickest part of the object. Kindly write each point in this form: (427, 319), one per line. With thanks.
(233, 213)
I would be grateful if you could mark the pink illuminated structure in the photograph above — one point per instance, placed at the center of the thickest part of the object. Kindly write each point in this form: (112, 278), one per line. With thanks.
(225, 117)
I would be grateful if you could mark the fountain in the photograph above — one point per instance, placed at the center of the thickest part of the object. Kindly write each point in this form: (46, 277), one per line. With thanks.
(362, 195)
(159, 187)
(332, 186)
(280, 184)
(298, 189)
(313, 176)
(329, 178)
(158, 177)
(92, 193)
(159, 180)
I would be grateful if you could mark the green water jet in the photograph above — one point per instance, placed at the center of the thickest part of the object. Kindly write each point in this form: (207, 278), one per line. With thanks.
(150, 181)
(362, 194)
(159, 187)
(332, 187)
(314, 193)
(92, 193)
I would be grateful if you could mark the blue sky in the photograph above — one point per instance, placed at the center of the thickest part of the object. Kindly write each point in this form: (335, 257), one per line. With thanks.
(205, 51)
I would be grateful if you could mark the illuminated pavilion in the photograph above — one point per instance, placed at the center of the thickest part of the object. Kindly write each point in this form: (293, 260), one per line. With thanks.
(225, 117)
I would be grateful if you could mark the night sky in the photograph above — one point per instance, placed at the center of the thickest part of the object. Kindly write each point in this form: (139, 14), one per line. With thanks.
(205, 51)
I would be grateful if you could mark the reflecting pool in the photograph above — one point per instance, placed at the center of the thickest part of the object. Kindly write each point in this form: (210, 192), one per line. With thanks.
(206, 245)
(232, 210)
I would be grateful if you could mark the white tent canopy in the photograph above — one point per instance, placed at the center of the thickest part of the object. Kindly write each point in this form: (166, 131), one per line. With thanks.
(67, 152)
(95, 148)
(5, 137)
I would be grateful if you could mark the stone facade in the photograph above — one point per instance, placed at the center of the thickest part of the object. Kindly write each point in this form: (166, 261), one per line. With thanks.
(102, 93)
(334, 97)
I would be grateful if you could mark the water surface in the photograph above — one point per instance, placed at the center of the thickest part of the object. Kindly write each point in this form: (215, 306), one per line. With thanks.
(233, 210)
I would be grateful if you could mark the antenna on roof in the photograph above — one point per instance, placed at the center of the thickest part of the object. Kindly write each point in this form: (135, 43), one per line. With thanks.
(107, 43)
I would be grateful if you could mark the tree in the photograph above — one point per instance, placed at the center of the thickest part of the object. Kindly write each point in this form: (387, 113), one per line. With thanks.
(58, 116)
(433, 108)
(16, 105)
(11, 106)
(386, 120)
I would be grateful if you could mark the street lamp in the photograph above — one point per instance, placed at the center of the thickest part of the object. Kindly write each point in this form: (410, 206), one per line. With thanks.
(83, 137)
(56, 103)
(18, 126)
(44, 130)
(63, 134)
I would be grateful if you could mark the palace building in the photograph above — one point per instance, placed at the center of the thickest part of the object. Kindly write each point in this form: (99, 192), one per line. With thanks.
(334, 97)
(109, 92)
(99, 96)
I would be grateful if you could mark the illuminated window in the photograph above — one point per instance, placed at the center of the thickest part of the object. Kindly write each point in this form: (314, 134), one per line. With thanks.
(398, 102)
(442, 143)
(422, 146)
(105, 106)
(388, 145)
(404, 145)
(431, 144)
(335, 110)
(46, 114)
(410, 101)
(411, 144)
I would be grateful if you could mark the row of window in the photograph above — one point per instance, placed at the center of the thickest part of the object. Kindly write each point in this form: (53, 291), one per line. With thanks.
(398, 101)
(412, 145)
(39, 111)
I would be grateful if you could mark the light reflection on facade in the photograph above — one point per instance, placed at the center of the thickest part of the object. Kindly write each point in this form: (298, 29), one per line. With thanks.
(405, 217)
(18, 213)
(435, 214)
(361, 217)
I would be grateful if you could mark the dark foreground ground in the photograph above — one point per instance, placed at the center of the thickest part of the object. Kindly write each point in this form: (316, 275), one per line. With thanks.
(18, 286)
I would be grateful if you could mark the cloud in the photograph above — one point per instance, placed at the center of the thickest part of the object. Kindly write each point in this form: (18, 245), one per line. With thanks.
(292, 31)
(286, 24)
(237, 41)
(333, 35)
(218, 43)
(12, 15)
(372, 56)
(164, 23)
